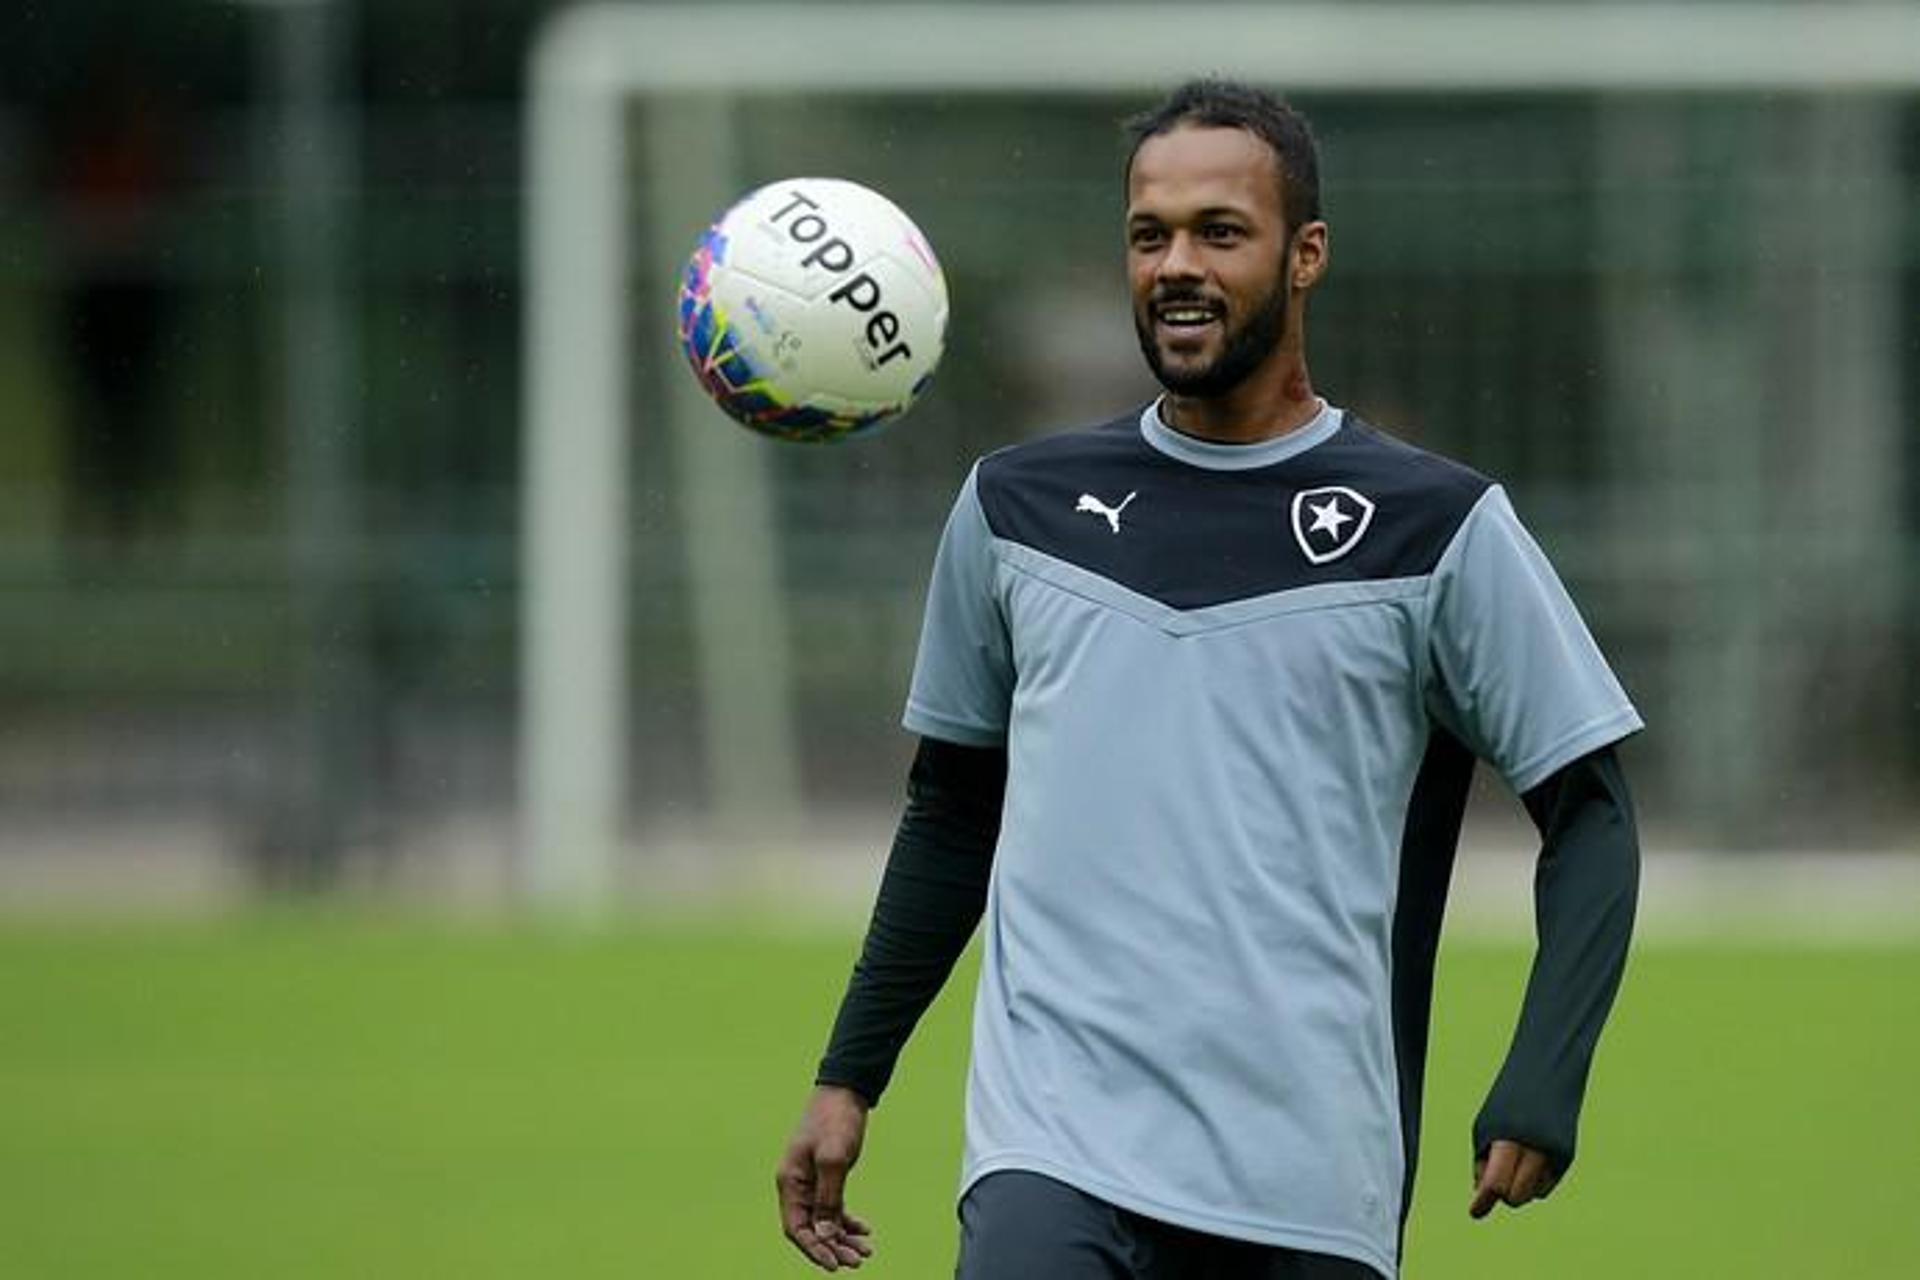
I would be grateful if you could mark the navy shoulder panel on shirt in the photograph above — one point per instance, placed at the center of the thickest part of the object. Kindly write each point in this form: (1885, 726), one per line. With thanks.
(1360, 505)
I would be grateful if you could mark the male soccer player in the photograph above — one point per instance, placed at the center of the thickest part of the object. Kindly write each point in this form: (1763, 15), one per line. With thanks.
(1199, 694)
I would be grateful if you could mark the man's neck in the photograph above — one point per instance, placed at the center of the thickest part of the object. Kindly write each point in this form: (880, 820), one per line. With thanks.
(1241, 419)
(1258, 409)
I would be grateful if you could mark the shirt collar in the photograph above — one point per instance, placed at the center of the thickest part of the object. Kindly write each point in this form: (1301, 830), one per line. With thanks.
(1216, 456)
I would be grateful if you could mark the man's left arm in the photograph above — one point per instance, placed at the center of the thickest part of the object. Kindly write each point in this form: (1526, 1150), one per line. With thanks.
(1585, 889)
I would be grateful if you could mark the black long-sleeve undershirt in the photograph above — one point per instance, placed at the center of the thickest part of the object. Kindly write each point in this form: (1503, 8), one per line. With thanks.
(1585, 888)
(931, 898)
(934, 891)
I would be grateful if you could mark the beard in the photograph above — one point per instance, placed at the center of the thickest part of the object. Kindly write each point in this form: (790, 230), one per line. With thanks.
(1246, 347)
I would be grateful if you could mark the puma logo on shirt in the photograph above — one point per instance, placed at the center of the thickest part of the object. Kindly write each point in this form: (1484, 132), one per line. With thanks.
(1092, 504)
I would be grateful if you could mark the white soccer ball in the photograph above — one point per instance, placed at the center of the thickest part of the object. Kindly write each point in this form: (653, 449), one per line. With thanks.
(813, 310)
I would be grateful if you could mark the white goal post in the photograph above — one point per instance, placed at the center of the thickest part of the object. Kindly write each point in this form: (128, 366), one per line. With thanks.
(590, 60)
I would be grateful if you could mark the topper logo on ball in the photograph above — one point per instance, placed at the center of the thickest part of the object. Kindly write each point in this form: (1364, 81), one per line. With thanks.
(861, 292)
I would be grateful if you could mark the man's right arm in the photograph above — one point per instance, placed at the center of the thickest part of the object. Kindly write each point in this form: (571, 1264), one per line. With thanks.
(931, 899)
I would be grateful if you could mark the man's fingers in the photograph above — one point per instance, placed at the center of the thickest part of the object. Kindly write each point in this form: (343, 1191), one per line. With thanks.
(830, 1164)
(848, 1246)
(796, 1214)
(800, 1231)
(1495, 1178)
(1531, 1179)
(790, 1185)
(820, 1253)
(1510, 1173)
(853, 1245)
(849, 1254)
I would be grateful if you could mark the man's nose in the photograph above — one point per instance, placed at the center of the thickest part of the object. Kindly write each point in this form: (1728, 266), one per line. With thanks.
(1181, 260)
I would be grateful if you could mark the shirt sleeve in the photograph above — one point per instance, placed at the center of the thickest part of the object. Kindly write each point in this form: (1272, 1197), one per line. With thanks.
(963, 676)
(1520, 679)
(930, 900)
(1585, 890)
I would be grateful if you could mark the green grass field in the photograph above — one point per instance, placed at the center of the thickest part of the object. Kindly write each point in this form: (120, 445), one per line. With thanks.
(287, 1097)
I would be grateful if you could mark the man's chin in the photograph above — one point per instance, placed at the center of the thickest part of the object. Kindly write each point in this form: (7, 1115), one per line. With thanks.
(1187, 377)
(1180, 370)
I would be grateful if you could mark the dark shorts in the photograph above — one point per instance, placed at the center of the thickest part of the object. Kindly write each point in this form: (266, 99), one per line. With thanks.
(1022, 1226)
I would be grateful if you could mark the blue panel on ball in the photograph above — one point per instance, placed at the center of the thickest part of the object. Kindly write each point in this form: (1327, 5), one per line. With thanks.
(713, 349)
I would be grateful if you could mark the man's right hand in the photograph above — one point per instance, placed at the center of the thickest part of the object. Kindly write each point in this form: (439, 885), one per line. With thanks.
(813, 1174)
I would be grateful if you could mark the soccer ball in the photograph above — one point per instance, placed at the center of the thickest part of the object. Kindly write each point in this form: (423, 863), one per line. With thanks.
(813, 310)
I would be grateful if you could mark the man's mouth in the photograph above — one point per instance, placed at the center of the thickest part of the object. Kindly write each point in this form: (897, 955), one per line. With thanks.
(1186, 314)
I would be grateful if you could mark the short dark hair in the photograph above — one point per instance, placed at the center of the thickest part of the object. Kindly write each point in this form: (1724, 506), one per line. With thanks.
(1229, 104)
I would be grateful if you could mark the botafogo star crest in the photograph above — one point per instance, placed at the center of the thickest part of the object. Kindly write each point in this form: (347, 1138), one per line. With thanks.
(1329, 521)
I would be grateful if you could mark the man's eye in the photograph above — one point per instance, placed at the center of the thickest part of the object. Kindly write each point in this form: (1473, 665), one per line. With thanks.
(1145, 237)
(1221, 232)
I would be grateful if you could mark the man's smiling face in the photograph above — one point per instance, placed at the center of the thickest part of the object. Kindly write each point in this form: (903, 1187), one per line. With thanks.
(1206, 257)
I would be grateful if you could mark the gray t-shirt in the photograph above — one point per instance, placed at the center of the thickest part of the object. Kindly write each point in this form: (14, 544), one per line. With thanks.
(1216, 670)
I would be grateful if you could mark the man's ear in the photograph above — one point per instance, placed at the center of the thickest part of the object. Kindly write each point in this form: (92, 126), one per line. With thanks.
(1309, 255)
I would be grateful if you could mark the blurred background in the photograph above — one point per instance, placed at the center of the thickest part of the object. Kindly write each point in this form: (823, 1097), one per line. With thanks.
(262, 288)
(263, 277)
(265, 282)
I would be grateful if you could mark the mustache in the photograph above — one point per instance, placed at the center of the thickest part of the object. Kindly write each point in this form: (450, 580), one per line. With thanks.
(1176, 293)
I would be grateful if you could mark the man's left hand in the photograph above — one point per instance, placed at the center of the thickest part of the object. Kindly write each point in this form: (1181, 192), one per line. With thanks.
(1511, 1173)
